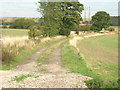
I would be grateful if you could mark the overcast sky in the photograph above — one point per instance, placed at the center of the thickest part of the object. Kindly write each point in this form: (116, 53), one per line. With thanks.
(28, 8)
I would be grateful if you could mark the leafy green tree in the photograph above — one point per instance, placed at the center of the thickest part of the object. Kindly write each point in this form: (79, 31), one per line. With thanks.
(71, 16)
(100, 20)
(60, 17)
(50, 15)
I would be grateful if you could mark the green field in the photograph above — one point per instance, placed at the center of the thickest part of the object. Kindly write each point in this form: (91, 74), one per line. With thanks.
(14, 32)
(101, 55)
(98, 59)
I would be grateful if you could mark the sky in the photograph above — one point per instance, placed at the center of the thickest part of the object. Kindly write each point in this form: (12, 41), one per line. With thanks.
(28, 8)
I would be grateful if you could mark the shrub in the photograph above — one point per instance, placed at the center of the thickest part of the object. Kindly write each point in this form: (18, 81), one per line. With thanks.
(84, 28)
(110, 29)
(65, 32)
(34, 32)
(87, 28)
(4, 26)
(93, 28)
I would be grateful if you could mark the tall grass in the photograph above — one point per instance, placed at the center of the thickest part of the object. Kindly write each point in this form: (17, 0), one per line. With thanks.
(14, 48)
(17, 49)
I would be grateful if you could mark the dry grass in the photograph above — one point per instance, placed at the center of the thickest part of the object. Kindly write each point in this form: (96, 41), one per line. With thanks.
(17, 49)
(12, 46)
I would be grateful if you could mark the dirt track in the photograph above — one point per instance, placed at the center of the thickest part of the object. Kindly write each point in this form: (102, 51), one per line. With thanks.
(49, 75)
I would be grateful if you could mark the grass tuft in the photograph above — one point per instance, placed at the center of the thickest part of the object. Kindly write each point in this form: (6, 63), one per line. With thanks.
(21, 78)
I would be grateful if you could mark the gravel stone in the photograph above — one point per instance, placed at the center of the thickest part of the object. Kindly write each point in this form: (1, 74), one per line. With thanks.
(55, 77)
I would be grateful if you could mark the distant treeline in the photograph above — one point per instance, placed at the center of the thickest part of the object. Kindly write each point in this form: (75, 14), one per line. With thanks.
(114, 20)
(18, 23)
(11, 21)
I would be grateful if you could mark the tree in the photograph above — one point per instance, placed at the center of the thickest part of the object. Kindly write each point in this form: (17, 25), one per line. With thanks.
(50, 14)
(100, 20)
(60, 17)
(71, 16)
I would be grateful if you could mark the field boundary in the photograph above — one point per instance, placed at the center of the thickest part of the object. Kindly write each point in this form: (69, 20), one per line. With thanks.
(74, 40)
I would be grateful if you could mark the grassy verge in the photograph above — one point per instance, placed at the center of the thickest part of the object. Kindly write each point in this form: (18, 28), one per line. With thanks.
(76, 64)
(24, 54)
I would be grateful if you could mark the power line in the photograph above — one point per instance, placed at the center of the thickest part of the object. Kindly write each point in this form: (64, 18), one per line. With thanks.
(87, 13)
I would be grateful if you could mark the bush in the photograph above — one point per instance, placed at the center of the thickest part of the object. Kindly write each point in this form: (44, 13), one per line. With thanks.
(4, 26)
(34, 32)
(65, 32)
(110, 29)
(96, 29)
(84, 28)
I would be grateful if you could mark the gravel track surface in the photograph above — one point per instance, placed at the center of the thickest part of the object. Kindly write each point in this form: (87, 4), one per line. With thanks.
(49, 75)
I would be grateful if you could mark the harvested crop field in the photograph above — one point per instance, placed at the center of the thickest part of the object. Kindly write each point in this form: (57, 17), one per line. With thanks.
(101, 55)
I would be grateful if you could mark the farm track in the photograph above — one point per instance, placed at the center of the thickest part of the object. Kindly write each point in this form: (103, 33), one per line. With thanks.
(28, 65)
(53, 75)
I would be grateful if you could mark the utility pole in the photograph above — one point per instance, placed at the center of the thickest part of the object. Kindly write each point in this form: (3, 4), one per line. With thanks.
(89, 14)
(84, 13)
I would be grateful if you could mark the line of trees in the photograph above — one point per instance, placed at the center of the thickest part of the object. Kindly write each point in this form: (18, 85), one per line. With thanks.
(19, 23)
(59, 18)
(114, 20)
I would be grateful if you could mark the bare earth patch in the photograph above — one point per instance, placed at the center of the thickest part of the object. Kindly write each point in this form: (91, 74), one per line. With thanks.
(49, 75)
